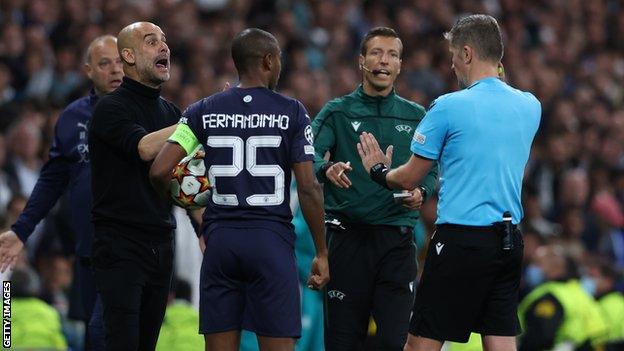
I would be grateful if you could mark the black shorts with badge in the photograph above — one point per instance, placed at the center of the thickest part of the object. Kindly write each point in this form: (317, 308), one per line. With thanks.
(469, 284)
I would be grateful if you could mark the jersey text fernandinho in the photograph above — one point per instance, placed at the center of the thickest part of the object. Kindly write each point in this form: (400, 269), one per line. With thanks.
(255, 120)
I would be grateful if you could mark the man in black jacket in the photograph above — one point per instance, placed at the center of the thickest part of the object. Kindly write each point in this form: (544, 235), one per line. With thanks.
(133, 247)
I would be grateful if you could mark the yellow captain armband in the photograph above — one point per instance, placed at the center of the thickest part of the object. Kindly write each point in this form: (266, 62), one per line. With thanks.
(185, 137)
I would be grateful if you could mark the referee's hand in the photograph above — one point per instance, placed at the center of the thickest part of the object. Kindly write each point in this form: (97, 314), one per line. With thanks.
(319, 274)
(371, 153)
(337, 174)
(415, 201)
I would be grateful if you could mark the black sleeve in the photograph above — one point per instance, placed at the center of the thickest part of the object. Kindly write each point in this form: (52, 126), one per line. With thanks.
(115, 124)
(542, 321)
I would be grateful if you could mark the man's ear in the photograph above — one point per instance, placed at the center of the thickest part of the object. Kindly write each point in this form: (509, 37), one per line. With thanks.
(360, 61)
(467, 54)
(127, 55)
(267, 62)
(399, 70)
(88, 70)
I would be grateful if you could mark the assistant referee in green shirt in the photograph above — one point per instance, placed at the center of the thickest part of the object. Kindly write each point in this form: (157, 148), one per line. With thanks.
(372, 255)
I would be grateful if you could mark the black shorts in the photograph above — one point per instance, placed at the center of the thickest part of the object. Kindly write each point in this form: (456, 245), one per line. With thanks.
(469, 284)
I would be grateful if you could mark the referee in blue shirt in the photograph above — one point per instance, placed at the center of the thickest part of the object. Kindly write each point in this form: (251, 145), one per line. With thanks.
(481, 136)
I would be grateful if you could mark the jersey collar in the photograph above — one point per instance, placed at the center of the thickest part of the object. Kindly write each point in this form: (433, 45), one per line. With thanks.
(359, 92)
(486, 80)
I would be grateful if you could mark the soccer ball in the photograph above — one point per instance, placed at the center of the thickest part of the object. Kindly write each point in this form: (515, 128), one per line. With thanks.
(190, 188)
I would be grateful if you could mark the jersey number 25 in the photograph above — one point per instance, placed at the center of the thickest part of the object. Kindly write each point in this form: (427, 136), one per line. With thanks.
(238, 147)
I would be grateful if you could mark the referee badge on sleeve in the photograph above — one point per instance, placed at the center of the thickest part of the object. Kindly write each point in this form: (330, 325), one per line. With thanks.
(419, 138)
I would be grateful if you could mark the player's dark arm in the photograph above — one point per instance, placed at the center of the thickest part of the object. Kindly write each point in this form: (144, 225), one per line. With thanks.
(160, 172)
(542, 321)
(311, 201)
(51, 184)
(150, 145)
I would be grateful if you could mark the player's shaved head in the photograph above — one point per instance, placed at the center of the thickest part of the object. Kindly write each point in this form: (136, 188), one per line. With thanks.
(98, 42)
(249, 46)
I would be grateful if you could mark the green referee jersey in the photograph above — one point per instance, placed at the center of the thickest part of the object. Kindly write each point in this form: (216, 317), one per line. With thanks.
(392, 120)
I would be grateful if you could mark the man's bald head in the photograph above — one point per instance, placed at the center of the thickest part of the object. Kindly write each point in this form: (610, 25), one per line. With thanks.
(131, 35)
(103, 65)
(98, 43)
(143, 49)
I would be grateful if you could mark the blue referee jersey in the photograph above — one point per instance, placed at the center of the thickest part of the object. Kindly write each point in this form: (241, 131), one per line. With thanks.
(481, 137)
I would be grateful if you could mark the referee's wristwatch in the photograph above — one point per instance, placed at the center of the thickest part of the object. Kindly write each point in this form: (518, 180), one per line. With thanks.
(423, 191)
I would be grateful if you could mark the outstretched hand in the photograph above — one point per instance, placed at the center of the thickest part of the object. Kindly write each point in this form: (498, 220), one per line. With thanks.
(10, 248)
(337, 174)
(371, 153)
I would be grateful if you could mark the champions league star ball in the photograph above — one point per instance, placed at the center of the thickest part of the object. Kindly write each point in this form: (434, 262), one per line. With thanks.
(190, 188)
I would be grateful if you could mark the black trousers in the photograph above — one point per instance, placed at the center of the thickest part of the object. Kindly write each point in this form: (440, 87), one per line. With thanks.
(372, 270)
(85, 279)
(133, 277)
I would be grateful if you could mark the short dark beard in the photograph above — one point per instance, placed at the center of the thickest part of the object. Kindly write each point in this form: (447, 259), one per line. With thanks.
(150, 77)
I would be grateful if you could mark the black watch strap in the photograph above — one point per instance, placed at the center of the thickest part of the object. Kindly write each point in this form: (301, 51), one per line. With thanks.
(378, 174)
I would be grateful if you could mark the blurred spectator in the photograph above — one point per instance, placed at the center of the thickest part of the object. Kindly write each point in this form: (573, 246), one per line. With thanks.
(56, 275)
(24, 163)
(7, 92)
(558, 313)
(179, 328)
(5, 190)
(611, 242)
(35, 325)
(601, 281)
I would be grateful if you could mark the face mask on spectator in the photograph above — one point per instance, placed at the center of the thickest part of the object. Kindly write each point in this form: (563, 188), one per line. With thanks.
(589, 285)
(534, 275)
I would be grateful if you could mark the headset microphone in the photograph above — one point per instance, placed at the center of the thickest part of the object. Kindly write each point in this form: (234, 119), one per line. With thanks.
(366, 69)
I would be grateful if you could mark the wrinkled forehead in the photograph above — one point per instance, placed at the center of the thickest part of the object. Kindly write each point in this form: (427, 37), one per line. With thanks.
(104, 48)
(145, 30)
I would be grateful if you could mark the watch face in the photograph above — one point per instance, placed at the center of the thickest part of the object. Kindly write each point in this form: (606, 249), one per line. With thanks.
(379, 166)
(423, 191)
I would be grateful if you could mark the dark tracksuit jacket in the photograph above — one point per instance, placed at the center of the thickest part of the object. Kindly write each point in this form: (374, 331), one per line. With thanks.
(392, 120)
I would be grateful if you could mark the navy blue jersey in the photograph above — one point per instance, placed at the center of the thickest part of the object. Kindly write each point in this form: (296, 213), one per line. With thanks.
(67, 167)
(251, 137)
